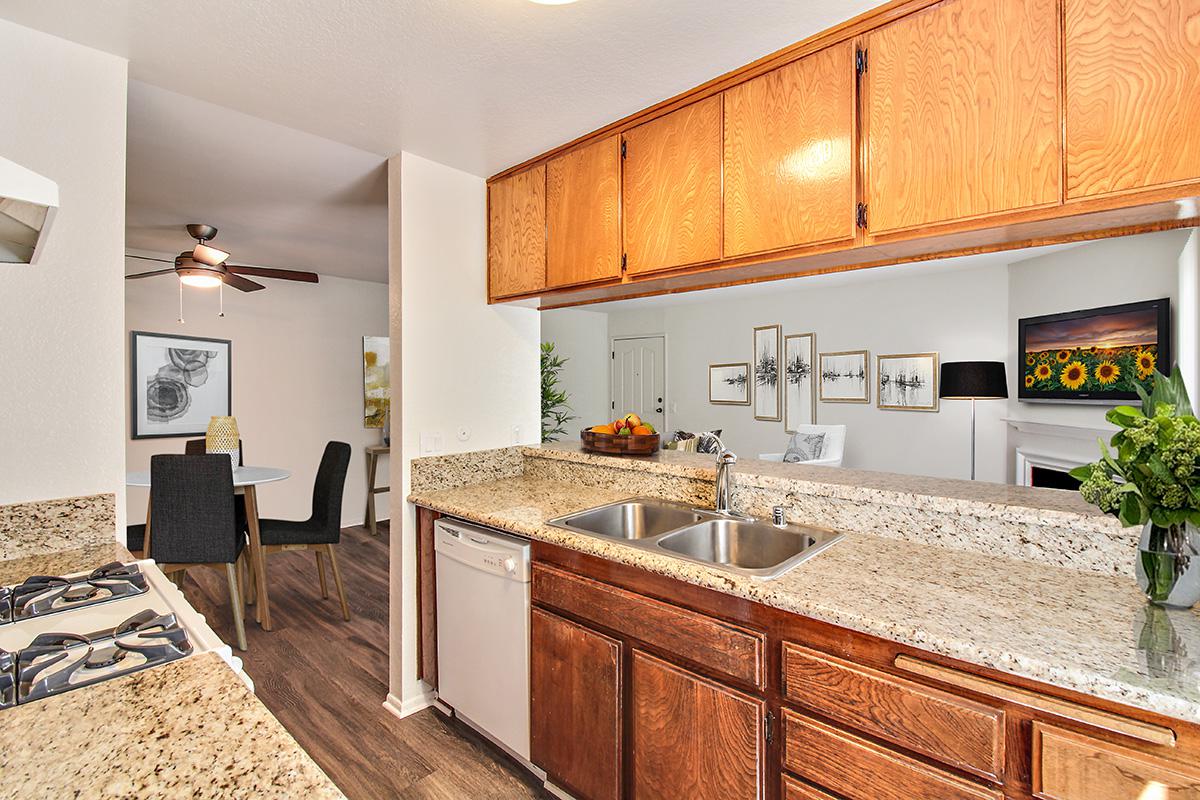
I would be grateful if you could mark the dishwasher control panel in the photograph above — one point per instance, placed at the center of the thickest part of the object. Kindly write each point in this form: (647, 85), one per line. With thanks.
(483, 549)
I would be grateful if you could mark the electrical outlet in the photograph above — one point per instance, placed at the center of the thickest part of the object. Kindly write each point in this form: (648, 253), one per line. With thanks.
(516, 434)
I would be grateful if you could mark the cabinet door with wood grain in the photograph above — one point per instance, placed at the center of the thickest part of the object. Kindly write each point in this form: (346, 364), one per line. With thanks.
(517, 233)
(575, 705)
(672, 189)
(1132, 117)
(790, 155)
(962, 113)
(692, 737)
(583, 214)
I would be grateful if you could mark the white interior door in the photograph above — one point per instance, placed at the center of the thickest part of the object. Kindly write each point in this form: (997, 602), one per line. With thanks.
(639, 379)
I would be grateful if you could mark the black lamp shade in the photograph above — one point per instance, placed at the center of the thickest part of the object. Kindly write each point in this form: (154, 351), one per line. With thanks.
(973, 380)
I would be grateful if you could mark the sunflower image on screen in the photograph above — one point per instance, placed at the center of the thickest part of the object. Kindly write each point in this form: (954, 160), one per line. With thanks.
(1097, 354)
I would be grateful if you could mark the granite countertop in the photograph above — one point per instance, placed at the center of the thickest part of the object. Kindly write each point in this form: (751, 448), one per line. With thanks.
(1087, 632)
(188, 729)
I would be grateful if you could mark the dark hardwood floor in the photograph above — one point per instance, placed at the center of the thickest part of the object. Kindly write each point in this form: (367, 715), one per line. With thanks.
(326, 679)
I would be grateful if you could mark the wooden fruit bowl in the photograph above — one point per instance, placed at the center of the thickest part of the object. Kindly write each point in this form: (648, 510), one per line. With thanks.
(640, 445)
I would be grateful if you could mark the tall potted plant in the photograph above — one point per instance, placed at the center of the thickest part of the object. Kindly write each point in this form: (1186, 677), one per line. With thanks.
(1149, 475)
(555, 411)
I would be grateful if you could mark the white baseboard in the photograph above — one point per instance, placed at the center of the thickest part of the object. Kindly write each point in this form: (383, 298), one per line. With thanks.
(404, 708)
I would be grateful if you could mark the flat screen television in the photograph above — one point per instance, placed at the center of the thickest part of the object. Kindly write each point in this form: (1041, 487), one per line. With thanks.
(1096, 355)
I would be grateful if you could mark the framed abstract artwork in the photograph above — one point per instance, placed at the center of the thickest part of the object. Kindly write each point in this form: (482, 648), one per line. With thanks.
(767, 386)
(907, 382)
(178, 383)
(799, 384)
(729, 384)
(845, 377)
(377, 390)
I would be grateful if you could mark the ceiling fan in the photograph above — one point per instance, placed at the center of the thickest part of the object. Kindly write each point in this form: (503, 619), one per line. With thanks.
(204, 266)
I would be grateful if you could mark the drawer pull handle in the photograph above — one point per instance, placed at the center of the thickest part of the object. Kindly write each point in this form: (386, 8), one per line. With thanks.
(1135, 729)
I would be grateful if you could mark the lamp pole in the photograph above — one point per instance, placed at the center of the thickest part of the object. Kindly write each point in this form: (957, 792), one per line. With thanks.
(972, 438)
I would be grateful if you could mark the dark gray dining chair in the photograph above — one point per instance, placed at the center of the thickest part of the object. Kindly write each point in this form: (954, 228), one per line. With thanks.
(321, 531)
(193, 522)
(196, 447)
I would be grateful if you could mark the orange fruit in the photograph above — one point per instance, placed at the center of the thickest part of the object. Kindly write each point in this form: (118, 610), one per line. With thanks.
(642, 430)
(609, 429)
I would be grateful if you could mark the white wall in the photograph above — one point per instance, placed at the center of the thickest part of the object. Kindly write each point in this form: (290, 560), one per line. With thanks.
(962, 314)
(62, 114)
(469, 370)
(582, 337)
(297, 377)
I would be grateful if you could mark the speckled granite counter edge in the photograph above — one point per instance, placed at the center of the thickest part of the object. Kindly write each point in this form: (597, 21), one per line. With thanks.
(45, 526)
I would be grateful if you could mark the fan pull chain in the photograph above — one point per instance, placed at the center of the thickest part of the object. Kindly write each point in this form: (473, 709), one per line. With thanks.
(181, 302)
(221, 290)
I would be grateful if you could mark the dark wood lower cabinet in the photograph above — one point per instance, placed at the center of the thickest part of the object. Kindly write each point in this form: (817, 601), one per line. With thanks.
(575, 695)
(692, 737)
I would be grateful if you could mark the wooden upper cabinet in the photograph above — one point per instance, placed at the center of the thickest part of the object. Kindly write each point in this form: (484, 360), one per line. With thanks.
(517, 234)
(583, 214)
(693, 738)
(962, 113)
(575, 705)
(672, 189)
(1132, 71)
(790, 155)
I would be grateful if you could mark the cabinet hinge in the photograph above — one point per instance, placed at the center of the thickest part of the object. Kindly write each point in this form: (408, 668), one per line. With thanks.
(624, 260)
(860, 61)
(861, 218)
(624, 148)
(769, 727)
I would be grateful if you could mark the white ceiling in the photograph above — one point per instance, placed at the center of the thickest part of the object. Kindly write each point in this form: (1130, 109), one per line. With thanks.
(278, 196)
(475, 84)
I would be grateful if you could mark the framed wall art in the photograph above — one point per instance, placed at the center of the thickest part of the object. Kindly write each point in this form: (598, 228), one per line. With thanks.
(767, 385)
(845, 377)
(907, 382)
(729, 384)
(178, 383)
(377, 394)
(799, 384)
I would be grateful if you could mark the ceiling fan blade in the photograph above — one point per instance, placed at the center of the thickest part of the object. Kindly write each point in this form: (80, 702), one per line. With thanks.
(244, 284)
(148, 258)
(268, 272)
(150, 274)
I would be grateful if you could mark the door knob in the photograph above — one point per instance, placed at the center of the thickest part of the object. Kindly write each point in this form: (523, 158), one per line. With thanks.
(658, 410)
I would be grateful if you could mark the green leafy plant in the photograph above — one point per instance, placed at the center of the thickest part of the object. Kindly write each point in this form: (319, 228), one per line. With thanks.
(1149, 471)
(555, 411)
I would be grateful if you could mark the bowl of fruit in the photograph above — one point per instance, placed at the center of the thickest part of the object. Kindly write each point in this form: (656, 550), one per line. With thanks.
(627, 436)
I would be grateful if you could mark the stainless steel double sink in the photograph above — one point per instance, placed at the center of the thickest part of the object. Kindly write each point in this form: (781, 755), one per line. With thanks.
(740, 545)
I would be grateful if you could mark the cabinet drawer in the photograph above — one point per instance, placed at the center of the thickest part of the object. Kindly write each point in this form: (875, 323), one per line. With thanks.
(861, 770)
(957, 731)
(795, 790)
(702, 640)
(1071, 766)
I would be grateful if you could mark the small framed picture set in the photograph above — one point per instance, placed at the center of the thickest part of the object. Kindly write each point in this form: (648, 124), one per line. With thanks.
(767, 385)
(845, 377)
(799, 381)
(907, 382)
(729, 384)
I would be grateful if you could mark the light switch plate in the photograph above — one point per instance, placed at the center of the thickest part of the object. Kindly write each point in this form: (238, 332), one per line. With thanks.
(431, 443)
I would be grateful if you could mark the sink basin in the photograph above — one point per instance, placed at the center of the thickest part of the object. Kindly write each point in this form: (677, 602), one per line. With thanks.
(630, 519)
(750, 548)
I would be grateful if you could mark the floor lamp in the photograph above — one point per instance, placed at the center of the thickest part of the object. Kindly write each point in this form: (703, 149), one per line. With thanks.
(973, 380)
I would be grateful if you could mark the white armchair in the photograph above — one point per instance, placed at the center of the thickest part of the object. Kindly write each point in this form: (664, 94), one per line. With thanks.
(831, 449)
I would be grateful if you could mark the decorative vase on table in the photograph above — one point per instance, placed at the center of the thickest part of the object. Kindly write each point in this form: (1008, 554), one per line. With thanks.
(1151, 477)
(222, 437)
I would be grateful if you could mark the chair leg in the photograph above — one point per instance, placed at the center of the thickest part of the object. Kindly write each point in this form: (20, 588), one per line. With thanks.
(235, 600)
(337, 581)
(321, 574)
(248, 579)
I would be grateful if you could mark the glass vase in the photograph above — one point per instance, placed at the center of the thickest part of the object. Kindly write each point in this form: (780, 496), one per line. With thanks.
(1168, 564)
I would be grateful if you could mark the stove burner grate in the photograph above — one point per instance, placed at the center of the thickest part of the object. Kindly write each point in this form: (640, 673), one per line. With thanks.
(48, 594)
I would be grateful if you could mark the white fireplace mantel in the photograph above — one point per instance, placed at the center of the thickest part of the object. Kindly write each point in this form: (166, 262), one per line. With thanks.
(1085, 433)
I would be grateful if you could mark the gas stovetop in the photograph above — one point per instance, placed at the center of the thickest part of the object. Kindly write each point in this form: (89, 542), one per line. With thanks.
(59, 633)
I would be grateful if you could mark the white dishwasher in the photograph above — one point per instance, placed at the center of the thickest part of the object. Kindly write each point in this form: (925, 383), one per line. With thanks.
(483, 630)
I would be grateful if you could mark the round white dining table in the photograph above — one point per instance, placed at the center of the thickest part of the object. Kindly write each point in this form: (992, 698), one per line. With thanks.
(245, 479)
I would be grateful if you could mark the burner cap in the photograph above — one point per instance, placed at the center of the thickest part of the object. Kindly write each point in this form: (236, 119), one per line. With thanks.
(100, 659)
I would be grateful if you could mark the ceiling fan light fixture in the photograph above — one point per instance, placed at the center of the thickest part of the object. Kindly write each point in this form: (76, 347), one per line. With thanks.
(207, 254)
(200, 281)
(193, 273)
